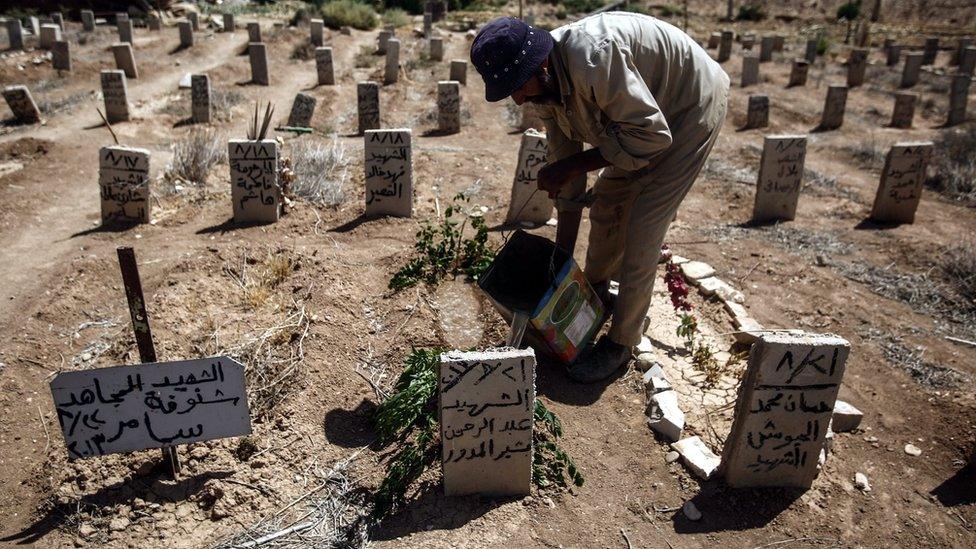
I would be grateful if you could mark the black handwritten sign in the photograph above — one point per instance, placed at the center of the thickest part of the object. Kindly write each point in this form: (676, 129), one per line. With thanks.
(487, 401)
(123, 180)
(798, 74)
(200, 98)
(392, 69)
(750, 70)
(324, 66)
(780, 175)
(254, 180)
(129, 408)
(784, 407)
(904, 111)
(114, 93)
(448, 106)
(389, 173)
(834, 106)
(22, 104)
(912, 68)
(958, 98)
(527, 204)
(459, 71)
(757, 115)
(857, 64)
(368, 105)
(302, 110)
(901, 182)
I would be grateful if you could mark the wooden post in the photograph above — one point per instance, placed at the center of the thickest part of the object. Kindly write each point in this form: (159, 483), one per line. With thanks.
(140, 326)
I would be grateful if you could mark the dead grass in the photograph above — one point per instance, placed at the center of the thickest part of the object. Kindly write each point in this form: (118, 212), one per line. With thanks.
(320, 170)
(953, 167)
(364, 59)
(196, 154)
(64, 103)
(303, 51)
(959, 267)
(910, 359)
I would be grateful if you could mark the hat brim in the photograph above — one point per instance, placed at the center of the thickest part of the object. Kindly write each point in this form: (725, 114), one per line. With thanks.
(498, 89)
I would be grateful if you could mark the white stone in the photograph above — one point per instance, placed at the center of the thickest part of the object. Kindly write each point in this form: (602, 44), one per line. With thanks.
(691, 511)
(644, 346)
(715, 286)
(656, 385)
(652, 372)
(696, 270)
(861, 482)
(846, 417)
(186, 82)
(697, 457)
(664, 415)
(913, 450)
(671, 457)
(678, 260)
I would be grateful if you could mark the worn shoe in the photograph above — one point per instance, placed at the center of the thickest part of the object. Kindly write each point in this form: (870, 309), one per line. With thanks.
(599, 361)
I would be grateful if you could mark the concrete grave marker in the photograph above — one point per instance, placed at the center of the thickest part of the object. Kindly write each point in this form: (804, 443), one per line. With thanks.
(253, 32)
(368, 105)
(129, 408)
(714, 39)
(49, 35)
(125, 31)
(766, 49)
(779, 42)
(894, 55)
(780, 176)
(725, 46)
(317, 31)
(200, 98)
(392, 70)
(810, 54)
(527, 204)
(930, 50)
(958, 98)
(748, 41)
(389, 173)
(799, 72)
(15, 34)
(968, 61)
(381, 41)
(22, 104)
(857, 65)
(87, 20)
(230, 25)
(901, 182)
(428, 24)
(61, 56)
(154, 23)
(116, 98)
(186, 33)
(194, 19)
(750, 70)
(487, 402)
(459, 71)
(783, 409)
(436, 49)
(904, 111)
(448, 107)
(255, 191)
(302, 110)
(323, 66)
(911, 70)
(834, 106)
(35, 25)
(125, 61)
(961, 46)
(757, 115)
(58, 20)
(258, 54)
(123, 179)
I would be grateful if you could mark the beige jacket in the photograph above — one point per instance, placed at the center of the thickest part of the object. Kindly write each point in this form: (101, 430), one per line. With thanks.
(630, 85)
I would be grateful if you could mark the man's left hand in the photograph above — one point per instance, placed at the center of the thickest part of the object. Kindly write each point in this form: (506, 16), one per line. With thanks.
(553, 177)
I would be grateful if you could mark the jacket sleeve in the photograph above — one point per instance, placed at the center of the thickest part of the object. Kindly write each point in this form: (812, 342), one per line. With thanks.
(570, 197)
(635, 130)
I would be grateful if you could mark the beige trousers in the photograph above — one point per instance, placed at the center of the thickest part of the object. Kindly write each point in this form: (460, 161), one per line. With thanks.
(631, 214)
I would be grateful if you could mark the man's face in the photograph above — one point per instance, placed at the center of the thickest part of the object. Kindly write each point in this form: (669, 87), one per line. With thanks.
(538, 89)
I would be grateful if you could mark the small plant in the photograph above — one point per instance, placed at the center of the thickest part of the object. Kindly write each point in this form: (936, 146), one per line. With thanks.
(319, 171)
(823, 44)
(196, 154)
(256, 132)
(348, 13)
(443, 250)
(303, 51)
(396, 17)
(953, 165)
(750, 12)
(702, 358)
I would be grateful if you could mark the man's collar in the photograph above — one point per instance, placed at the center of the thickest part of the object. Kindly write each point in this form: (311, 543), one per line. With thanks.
(558, 70)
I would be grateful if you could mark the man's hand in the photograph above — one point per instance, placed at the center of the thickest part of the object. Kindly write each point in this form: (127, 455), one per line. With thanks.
(553, 177)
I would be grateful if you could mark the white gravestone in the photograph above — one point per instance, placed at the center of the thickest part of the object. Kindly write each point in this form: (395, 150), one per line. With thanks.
(901, 182)
(958, 98)
(258, 54)
(912, 69)
(200, 98)
(49, 35)
(389, 173)
(129, 408)
(317, 32)
(857, 65)
(459, 71)
(61, 56)
(528, 203)
(487, 406)
(834, 106)
(750, 70)
(15, 34)
(115, 95)
(798, 74)
(22, 104)
(780, 175)
(123, 181)
(368, 105)
(448, 107)
(254, 180)
(904, 110)
(186, 33)
(436, 49)
(324, 67)
(302, 110)
(783, 410)
(392, 69)
(35, 25)
(125, 61)
(757, 115)
(125, 31)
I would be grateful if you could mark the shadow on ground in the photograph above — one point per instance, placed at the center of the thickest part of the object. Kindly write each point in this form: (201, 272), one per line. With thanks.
(724, 509)
(430, 509)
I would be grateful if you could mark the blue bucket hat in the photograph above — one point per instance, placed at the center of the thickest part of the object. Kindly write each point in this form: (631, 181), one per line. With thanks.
(507, 52)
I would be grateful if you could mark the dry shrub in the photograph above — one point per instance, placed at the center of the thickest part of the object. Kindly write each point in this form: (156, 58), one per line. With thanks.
(953, 169)
(320, 170)
(222, 101)
(196, 154)
(304, 51)
(959, 266)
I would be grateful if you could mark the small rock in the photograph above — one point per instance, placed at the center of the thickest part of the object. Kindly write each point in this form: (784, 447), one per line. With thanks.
(913, 450)
(664, 416)
(644, 346)
(846, 417)
(715, 286)
(678, 260)
(653, 371)
(118, 524)
(691, 511)
(199, 452)
(671, 457)
(549, 503)
(861, 482)
(656, 385)
(696, 270)
(645, 361)
(702, 461)
(86, 529)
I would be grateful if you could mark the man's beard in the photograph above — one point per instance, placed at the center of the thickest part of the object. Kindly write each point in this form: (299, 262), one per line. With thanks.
(551, 94)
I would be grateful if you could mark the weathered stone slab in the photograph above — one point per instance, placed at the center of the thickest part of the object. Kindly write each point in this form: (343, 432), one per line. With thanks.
(834, 106)
(696, 270)
(529, 204)
(58, 19)
(317, 32)
(757, 115)
(766, 49)
(448, 107)
(323, 66)
(255, 191)
(381, 39)
(302, 110)
(930, 50)
(123, 179)
(35, 25)
(780, 175)
(845, 418)
(194, 19)
(747, 41)
(154, 23)
(725, 46)
(428, 25)
(125, 60)
(61, 56)
(697, 457)
(115, 95)
(901, 182)
(894, 54)
(664, 415)
(912, 69)
(15, 34)
(49, 35)
(230, 25)
(750, 70)
(253, 32)
(459, 71)
(389, 173)
(779, 42)
(368, 105)
(22, 104)
(487, 403)
(968, 61)
(904, 111)
(258, 54)
(200, 98)
(714, 39)
(391, 72)
(961, 45)
(186, 33)
(125, 31)
(87, 20)
(857, 65)
(436, 49)
(810, 54)
(958, 99)
(798, 73)
(783, 410)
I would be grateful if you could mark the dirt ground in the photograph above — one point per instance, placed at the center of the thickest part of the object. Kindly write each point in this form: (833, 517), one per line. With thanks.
(212, 286)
